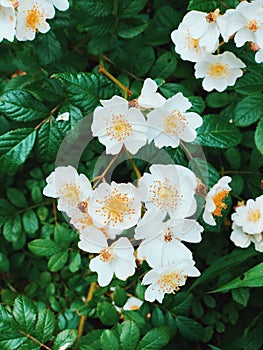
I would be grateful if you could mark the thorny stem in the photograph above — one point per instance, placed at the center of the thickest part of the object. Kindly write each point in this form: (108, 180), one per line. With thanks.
(189, 156)
(83, 318)
(49, 117)
(35, 340)
(136, 170)
(31, 207)
(106, 58)
(102, 176)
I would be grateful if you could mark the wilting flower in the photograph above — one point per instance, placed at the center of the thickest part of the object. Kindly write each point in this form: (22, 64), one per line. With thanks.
(116, 125)
(169, 189)
(247, 22)
(31, 18)
(250, 216)
(219, 71)
(215, 200)
(71, 189)
(117, 206)
(168, 279)
(170, 123)
(117, 258)
(61, 5)
(149, 97)
(7, 20)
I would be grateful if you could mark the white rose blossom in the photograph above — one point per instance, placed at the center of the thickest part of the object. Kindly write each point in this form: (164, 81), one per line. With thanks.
(117, 206)
(71, 189)
(7, 20)
(168, 279)
(214, 202)
(169, 189)
(149, 97)
(219, 71)
(31, 18)
(171, 122)
(116, 125)
(117, 258)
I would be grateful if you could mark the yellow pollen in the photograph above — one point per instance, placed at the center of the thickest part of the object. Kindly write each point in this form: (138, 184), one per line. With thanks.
(253, 25)
(164, 195)
(34, 18)
(212, 16)
(218, 70)
(106, 255)
(134, 307)
(193, 43)
(254, 215)
(175, 123)
(218, 200)
(70, 192)
(115, 207)
(168, 235)
(171, 282)
(119, 128)
(82, 222)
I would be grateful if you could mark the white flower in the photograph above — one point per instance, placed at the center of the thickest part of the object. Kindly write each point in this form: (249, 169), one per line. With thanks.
(63, 116)
(132, 304)
(219, 71)
(186, 46)
(31, 18)
(71, 189)
(223, 22)
(169, 189)
(168, 279)
(238, 236)
(169, 124)
(116, 125)
(117, 206)
(118, 258)
(250, 216)
(247, 23)
(203, 26)
(61, 5)
(214, 203)
(259, 56)
(7, 20)
(257, 239)
(149, 98)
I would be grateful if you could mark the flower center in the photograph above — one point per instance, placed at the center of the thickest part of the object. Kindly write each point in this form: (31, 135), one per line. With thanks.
(175, 123)
(134, 307)
(106, 255)
(212, 16)
(119, 128)
(70, 192)
(193, 43)
(169, 283)
(254, 215)
(253, 25)
(218, 70)
(218, 200)
(115, 207)
(168, 235)
(34, 18)
(164, 195)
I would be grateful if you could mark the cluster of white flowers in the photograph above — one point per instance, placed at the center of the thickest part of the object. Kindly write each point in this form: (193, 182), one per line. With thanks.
(158, 213)
(197, 38)
(23, 18)
(248, 224)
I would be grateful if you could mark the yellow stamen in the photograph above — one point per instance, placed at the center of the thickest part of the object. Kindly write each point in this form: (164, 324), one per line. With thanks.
(254, 215)
(218, 70)
(218, 200)
(171, 282)
(253, 25)
(119, 128)
(34, 18)
(106, 255)
(175, 123)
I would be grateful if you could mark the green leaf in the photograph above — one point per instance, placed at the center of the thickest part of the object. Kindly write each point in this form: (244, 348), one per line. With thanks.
(109, 341)
(63, 236)
(45, 326)
(107, 313)
(21, 106)
(43, 247)
(189, 328)
(4, 263)
(48, 48)
(84, 90)
(91, 341)
(57, 261)
(131, 8)
(157, 318)
(12, 228)
(249, 84)
(156, 338)
(65, 339)
(97, 8)
(134, 316)
(10, 337)
(252, 278)
(216, 132)
(15, 148)
(164, 66)
(6, 208)
(259, 136)
(119, 296)
(30, 222)
(249, 110)
(25, 314)
(130, 335)
(16, 197)
(219, 99)
(74, 261)
(131, 27)
(241, 295)
(144, 61)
